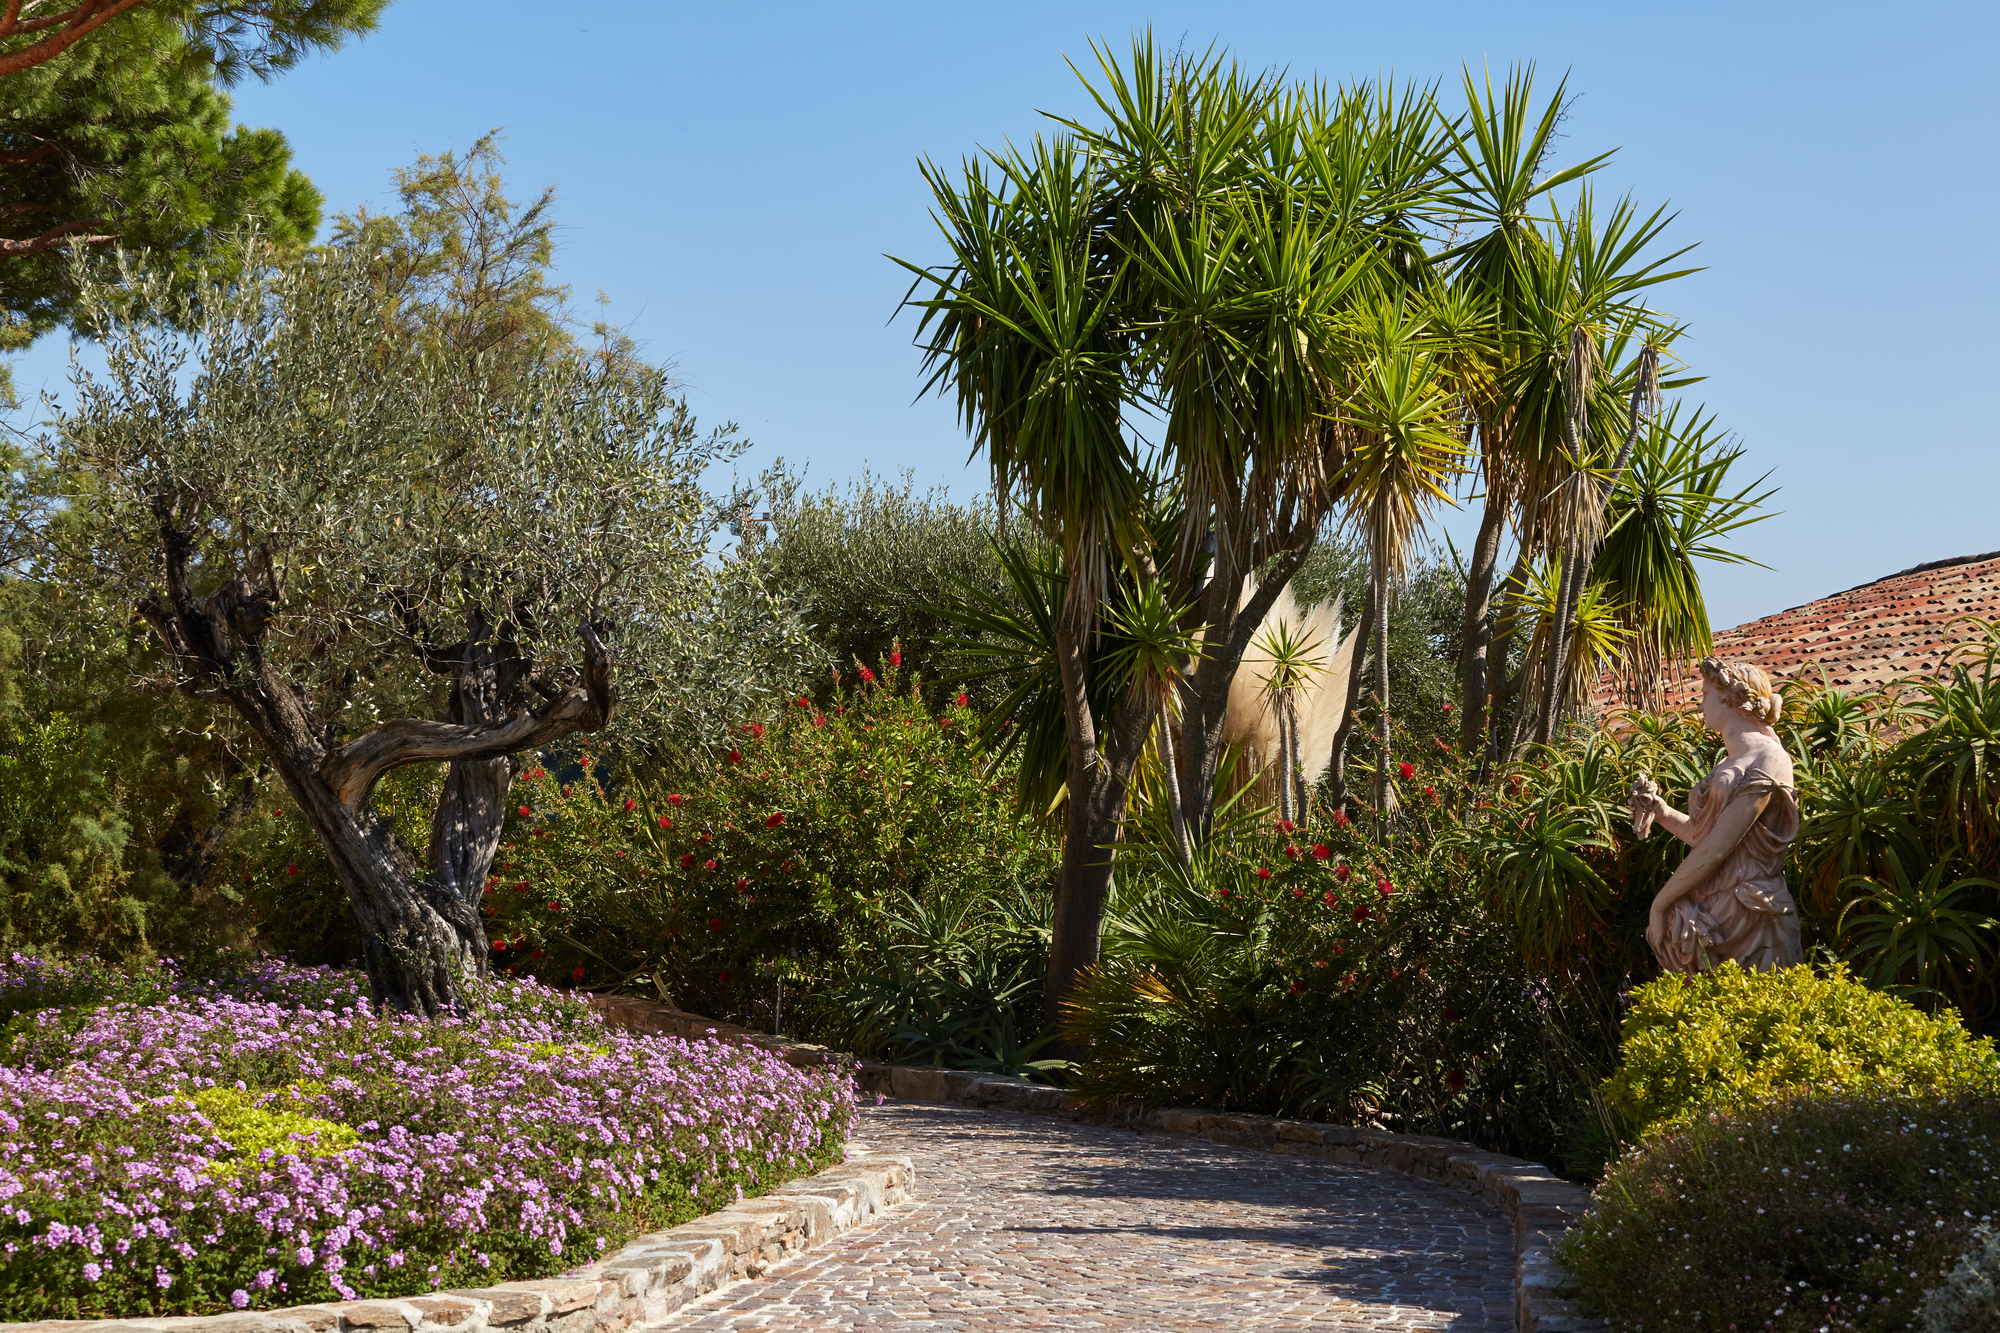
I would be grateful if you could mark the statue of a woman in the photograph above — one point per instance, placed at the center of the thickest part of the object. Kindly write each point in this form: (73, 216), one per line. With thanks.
(1728, 898)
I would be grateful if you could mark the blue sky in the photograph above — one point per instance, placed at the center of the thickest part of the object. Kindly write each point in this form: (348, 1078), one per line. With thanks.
(732, 176)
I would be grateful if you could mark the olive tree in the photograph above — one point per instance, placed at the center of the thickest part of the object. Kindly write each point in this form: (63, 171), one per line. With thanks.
(377, 554)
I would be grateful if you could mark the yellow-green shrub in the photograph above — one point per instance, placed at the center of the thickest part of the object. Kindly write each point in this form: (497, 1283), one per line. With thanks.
(253, 1121)
(1730, 1037)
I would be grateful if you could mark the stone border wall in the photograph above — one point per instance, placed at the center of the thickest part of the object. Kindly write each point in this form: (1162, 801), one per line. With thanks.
(1540, 1204)
(639, 1283)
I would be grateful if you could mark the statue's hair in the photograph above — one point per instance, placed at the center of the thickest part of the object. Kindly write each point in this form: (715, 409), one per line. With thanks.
(1744, 687)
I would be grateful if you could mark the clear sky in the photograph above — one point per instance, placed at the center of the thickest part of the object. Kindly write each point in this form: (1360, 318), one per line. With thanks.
(732, 175)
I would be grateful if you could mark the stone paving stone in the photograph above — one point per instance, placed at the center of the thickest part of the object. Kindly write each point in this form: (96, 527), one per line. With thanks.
(1027, 1222)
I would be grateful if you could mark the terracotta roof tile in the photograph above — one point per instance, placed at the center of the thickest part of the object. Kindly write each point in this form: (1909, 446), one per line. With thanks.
(1902, 625)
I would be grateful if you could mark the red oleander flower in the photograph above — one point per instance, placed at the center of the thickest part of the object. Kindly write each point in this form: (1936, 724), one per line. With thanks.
(735, 756)
(708, 864)
(1321, 851)
(1455, 1080)
(1341, 872)
(525, 812)
(1361, 912)
(715, 923)
(687, 860)
(776, 819)
(664, 822)
(961, 701)
(1408, 770)
(675, 798)
(1263, 872)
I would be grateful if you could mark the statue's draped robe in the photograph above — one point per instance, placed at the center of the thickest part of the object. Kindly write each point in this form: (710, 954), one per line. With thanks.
(1744, 911)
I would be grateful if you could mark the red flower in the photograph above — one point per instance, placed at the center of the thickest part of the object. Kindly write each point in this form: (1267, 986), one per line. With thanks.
(1328, 898)
(687, 860)
(896, 655)
(1450, 1014)
(578, 974)
(755, 731)
(715, 923)
(1341, 872)
(1298, 988)
(1455, 1080)
(555, 907)
(499, 946)
(675, 798)
(277, 814)
(1431, 792)
(742, 884)
(961, 701)
(1361, 912)
(735, 756)
(1298, 893)
(785, 869)
(708, 865)
(291, 870)
(722, 977)
(525, 812)
(776, 819)
(1340, 819)
(1263, 872)
(944, 722)
(1407, 770)
(664, 822)
(1222, 893)
(1382, 887)
(631, 804)
(803, 702)
(1321, 851)
(866, 674)
(1339, 949)
(1291, 853)
(1321, 962)
(819, 719)
(535, 954)
(1448, 708)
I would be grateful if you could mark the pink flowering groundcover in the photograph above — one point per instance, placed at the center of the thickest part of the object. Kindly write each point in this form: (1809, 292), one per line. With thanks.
(181, 1145)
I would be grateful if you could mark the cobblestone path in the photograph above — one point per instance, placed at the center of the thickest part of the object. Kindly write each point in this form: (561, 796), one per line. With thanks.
(1025, 1222)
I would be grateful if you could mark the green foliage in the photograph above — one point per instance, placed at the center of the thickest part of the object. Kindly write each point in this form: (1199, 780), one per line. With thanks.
(253, 1122)
(797, 855)
(874, 566)
(1730, 1037)
(1969, 1300)
(1814, 1211)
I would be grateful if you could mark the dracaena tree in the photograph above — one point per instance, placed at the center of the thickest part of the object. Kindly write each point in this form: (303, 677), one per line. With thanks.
(374, 554)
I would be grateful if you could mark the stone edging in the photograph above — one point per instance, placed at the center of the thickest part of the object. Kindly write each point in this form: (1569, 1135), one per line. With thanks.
(639, 1283)
(1540, 1204)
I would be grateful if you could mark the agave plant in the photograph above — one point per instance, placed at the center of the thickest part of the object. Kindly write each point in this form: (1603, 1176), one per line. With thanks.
(1919, 940)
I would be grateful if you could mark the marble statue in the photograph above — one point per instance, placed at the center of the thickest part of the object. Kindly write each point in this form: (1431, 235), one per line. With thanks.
(1728, 899)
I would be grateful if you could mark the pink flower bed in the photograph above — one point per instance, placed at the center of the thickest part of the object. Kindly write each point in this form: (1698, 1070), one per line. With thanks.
(271, 1140)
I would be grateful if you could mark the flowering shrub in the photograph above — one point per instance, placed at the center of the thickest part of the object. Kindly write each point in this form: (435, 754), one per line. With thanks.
(1729, 1037)
(1799, 1215)
(785, 858)
(270, 1139)
(1969, 1300)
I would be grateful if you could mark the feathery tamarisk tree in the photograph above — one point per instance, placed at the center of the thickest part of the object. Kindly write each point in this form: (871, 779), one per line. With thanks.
(377, 555)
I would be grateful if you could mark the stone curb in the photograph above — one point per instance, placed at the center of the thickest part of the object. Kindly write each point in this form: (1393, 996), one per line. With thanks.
(1540, 1204)
(640, 1283)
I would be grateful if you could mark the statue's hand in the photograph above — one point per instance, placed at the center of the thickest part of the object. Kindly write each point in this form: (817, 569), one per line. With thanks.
(1646, 804)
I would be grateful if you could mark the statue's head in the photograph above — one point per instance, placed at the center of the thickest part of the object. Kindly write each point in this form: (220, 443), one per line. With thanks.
(1741, 686)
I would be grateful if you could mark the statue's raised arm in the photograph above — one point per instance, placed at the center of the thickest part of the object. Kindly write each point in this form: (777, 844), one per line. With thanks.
(1728, 899)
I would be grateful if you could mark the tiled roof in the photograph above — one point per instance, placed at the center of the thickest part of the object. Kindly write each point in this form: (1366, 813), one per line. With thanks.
(1902, 625)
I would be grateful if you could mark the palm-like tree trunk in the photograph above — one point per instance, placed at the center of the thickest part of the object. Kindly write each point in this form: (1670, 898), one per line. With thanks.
(1379, 593)
(1170, 770)
(1351, 708)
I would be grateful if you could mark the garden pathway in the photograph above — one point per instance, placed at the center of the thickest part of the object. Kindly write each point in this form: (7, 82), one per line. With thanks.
(1031, 1222)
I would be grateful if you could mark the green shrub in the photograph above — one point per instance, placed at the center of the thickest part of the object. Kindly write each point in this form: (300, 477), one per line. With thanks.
(1731, 1037)
(1969, 1300)
(1798, 1215)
